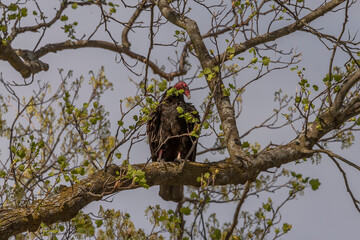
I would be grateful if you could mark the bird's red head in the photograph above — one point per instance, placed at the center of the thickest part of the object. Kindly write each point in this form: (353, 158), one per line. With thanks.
(185, 87)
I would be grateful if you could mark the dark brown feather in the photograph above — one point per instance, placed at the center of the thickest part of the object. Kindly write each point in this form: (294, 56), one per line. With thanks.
(170, 134)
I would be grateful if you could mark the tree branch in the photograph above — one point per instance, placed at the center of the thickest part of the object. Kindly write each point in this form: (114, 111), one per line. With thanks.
(223, 104)
(344, 89)
(268, 37)
(237, 210)
(66, 204)
(55, 47)
(25, 67)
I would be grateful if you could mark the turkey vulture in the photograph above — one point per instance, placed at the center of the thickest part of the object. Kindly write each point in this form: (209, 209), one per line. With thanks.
(169, 131)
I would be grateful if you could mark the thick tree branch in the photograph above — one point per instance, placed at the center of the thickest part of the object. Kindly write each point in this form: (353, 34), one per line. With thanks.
(345, 88)
(223, 104)
(66, 204)
(25, 64)
(125, 32)
(53, 48)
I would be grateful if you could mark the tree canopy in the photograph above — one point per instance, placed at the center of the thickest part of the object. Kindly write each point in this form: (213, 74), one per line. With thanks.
(72, 136)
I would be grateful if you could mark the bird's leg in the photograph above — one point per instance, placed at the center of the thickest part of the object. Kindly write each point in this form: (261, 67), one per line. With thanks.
(178, 158)
(160, 156)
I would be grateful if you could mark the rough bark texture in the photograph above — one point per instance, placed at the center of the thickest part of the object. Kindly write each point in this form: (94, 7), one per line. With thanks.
(223, 104)
(66, 204)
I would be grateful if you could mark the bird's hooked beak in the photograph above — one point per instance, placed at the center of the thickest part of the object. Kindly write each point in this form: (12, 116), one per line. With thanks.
(187, 94)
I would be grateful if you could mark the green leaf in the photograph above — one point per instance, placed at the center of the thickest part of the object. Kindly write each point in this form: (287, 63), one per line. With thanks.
(3, 28)
(85, 105)
(74, 5)
(162, 86)
(314, 184)
(180, 110)
(21, 167)
(305, 101)
(185, 210)
(21, 153)
(67, 178)
(245, 144)
(12, 7)
(315, 87)
(267, 207)
(62, 228)
(230, 50)
(207, 71)
(193, 195)
(93, 121)
(266, 61)
(64, 18)
(13, 149)
(12, 16)
(337, 78)
(118, 155)
(216, 234)
(23, 12)
(99, 223)
(286, 227)
(2, 174)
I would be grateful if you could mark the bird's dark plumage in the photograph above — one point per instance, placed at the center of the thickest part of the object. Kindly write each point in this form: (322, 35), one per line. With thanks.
(169, 131)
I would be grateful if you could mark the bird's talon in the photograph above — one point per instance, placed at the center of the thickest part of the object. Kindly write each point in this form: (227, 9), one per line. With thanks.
(179, 160)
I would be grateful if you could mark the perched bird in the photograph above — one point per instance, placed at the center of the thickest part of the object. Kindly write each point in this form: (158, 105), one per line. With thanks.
(172, 131)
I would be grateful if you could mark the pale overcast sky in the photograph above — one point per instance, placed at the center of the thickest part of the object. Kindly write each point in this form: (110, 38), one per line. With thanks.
(324, 214)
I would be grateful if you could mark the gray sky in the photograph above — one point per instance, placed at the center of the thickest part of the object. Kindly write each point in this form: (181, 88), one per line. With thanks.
(324, 214)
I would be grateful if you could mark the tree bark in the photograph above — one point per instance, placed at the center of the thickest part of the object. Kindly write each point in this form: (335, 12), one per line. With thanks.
(66, 204)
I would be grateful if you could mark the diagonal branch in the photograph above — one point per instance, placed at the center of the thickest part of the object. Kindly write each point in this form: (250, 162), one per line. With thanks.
(268, 37)
(237, 210)
(353, 198)
(225, 109)
(25, 64)
(55, 47)
(344, 89)
(66, 204)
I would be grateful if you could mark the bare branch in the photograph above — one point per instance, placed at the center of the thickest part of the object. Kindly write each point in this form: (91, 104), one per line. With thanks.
(267, 37)
(108, 46)
(237, 210)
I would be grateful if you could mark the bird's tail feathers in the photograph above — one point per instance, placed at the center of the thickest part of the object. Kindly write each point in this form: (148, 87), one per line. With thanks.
(171, 193)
